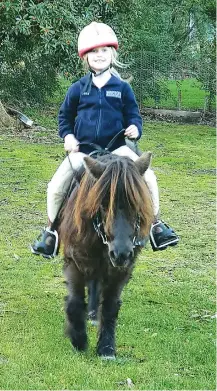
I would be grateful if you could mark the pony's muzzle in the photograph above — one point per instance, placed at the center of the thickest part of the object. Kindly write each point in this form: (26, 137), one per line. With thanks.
(121, 258)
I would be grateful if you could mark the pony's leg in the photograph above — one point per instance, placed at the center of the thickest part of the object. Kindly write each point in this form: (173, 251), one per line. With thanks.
(93, 300)
(109, 306)
(76, 307)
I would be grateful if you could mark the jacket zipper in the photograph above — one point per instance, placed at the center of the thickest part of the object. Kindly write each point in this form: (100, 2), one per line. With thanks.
(100, 113)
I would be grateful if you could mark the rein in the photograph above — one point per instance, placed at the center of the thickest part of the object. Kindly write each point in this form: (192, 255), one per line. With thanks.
(97, 150)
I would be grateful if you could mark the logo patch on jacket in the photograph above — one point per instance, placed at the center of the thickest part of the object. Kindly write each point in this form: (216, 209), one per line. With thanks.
(114, 94)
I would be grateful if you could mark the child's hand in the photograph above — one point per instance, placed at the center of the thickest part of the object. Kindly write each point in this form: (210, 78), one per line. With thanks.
(132, 131)
(71, 144)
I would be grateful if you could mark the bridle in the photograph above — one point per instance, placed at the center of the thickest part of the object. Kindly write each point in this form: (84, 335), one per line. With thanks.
(99, 228)
(97, 219)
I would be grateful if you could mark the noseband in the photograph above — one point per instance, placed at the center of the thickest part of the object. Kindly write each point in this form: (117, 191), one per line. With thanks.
(99, 228)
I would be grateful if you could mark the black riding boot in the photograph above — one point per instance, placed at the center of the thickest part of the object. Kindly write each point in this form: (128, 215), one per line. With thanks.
(162, 236)
(46, 244)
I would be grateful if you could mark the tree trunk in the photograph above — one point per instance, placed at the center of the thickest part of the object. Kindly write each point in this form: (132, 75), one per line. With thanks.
(6, 121)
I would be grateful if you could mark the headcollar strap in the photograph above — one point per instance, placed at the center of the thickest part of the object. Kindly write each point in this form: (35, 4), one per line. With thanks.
(98, 226)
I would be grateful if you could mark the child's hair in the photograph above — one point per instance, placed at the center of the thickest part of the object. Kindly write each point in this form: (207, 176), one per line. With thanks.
(114, 63)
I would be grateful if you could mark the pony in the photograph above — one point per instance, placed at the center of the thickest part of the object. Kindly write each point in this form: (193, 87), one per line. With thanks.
(104, 226)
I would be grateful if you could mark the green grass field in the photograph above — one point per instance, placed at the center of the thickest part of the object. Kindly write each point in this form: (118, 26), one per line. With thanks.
(166, 327)
(192, 96)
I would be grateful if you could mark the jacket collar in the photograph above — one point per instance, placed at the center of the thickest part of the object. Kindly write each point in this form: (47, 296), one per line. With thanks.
(112, 81)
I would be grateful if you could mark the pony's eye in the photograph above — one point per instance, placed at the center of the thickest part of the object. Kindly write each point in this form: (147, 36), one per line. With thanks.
(104, 206)
(103, 210)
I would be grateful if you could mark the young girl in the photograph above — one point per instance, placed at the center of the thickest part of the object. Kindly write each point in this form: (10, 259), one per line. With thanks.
(95, 109)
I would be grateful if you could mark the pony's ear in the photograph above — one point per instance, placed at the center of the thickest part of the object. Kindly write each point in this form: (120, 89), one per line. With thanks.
(95, 167)
(143, 162)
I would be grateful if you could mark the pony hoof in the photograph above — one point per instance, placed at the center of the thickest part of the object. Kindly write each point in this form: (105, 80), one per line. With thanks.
(92, 316)
(94, 322)
(79, 348)
(79, 344)
(108, 357)
(106, 353)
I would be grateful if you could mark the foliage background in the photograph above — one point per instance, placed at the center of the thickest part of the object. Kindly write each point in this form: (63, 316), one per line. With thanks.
(38, 42)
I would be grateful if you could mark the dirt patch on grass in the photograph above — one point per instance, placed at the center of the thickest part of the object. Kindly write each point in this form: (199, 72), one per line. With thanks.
(181, 117)
(211, 171)
(34, 134)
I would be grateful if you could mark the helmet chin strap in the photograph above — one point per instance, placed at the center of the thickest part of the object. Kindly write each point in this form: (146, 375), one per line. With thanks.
(98, 73)
(87, 87)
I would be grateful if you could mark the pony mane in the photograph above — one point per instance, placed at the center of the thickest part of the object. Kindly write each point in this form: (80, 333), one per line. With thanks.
(119, 185)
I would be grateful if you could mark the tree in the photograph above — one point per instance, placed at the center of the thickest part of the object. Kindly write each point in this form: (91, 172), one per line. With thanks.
(169, 37)
(5, 120)
(39, 42)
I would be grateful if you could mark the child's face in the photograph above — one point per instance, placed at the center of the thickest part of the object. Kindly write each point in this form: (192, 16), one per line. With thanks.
(99, 58)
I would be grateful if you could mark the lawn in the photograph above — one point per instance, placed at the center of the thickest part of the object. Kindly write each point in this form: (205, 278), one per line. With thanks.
(166, 327)
(192, 95)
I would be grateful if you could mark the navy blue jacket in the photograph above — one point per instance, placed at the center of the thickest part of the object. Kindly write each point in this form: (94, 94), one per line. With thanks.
(96, 117)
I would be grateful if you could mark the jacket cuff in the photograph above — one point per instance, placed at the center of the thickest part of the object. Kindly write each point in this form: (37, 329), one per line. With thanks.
(64, 134)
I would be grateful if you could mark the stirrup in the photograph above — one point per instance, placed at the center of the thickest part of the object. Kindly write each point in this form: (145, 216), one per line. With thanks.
(47, 250)
(167, 237)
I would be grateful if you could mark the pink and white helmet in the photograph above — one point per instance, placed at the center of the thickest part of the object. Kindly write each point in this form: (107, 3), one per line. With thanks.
(95, 35)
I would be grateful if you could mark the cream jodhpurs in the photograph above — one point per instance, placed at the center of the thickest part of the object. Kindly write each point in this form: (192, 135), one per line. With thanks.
(59, 184)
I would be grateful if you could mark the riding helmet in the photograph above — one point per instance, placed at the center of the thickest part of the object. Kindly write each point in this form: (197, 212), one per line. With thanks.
(95, 35)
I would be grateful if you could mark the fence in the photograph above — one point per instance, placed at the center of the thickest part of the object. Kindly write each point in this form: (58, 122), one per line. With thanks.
(159, 82)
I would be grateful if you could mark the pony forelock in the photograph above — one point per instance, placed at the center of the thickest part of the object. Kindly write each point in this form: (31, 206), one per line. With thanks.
(120, 185)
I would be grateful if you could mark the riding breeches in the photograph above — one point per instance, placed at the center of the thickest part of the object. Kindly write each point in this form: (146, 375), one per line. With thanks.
(59, 184)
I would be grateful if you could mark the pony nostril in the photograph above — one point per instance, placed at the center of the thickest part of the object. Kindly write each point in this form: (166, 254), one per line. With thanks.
(121, 257)
(128, 255)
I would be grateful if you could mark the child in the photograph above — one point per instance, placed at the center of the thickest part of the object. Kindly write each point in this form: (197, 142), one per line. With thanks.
(95, 109)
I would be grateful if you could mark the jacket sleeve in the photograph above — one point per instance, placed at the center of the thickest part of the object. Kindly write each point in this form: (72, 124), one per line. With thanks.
(131, 109)
(68, 110)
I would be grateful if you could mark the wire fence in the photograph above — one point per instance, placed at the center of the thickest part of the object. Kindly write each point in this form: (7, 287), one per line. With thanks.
(159, 82)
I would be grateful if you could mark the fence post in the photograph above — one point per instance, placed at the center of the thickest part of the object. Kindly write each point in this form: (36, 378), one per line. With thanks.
(178, 85)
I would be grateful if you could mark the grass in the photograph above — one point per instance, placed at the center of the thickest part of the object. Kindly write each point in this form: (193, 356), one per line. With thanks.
(192, 96)
(166, 327)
